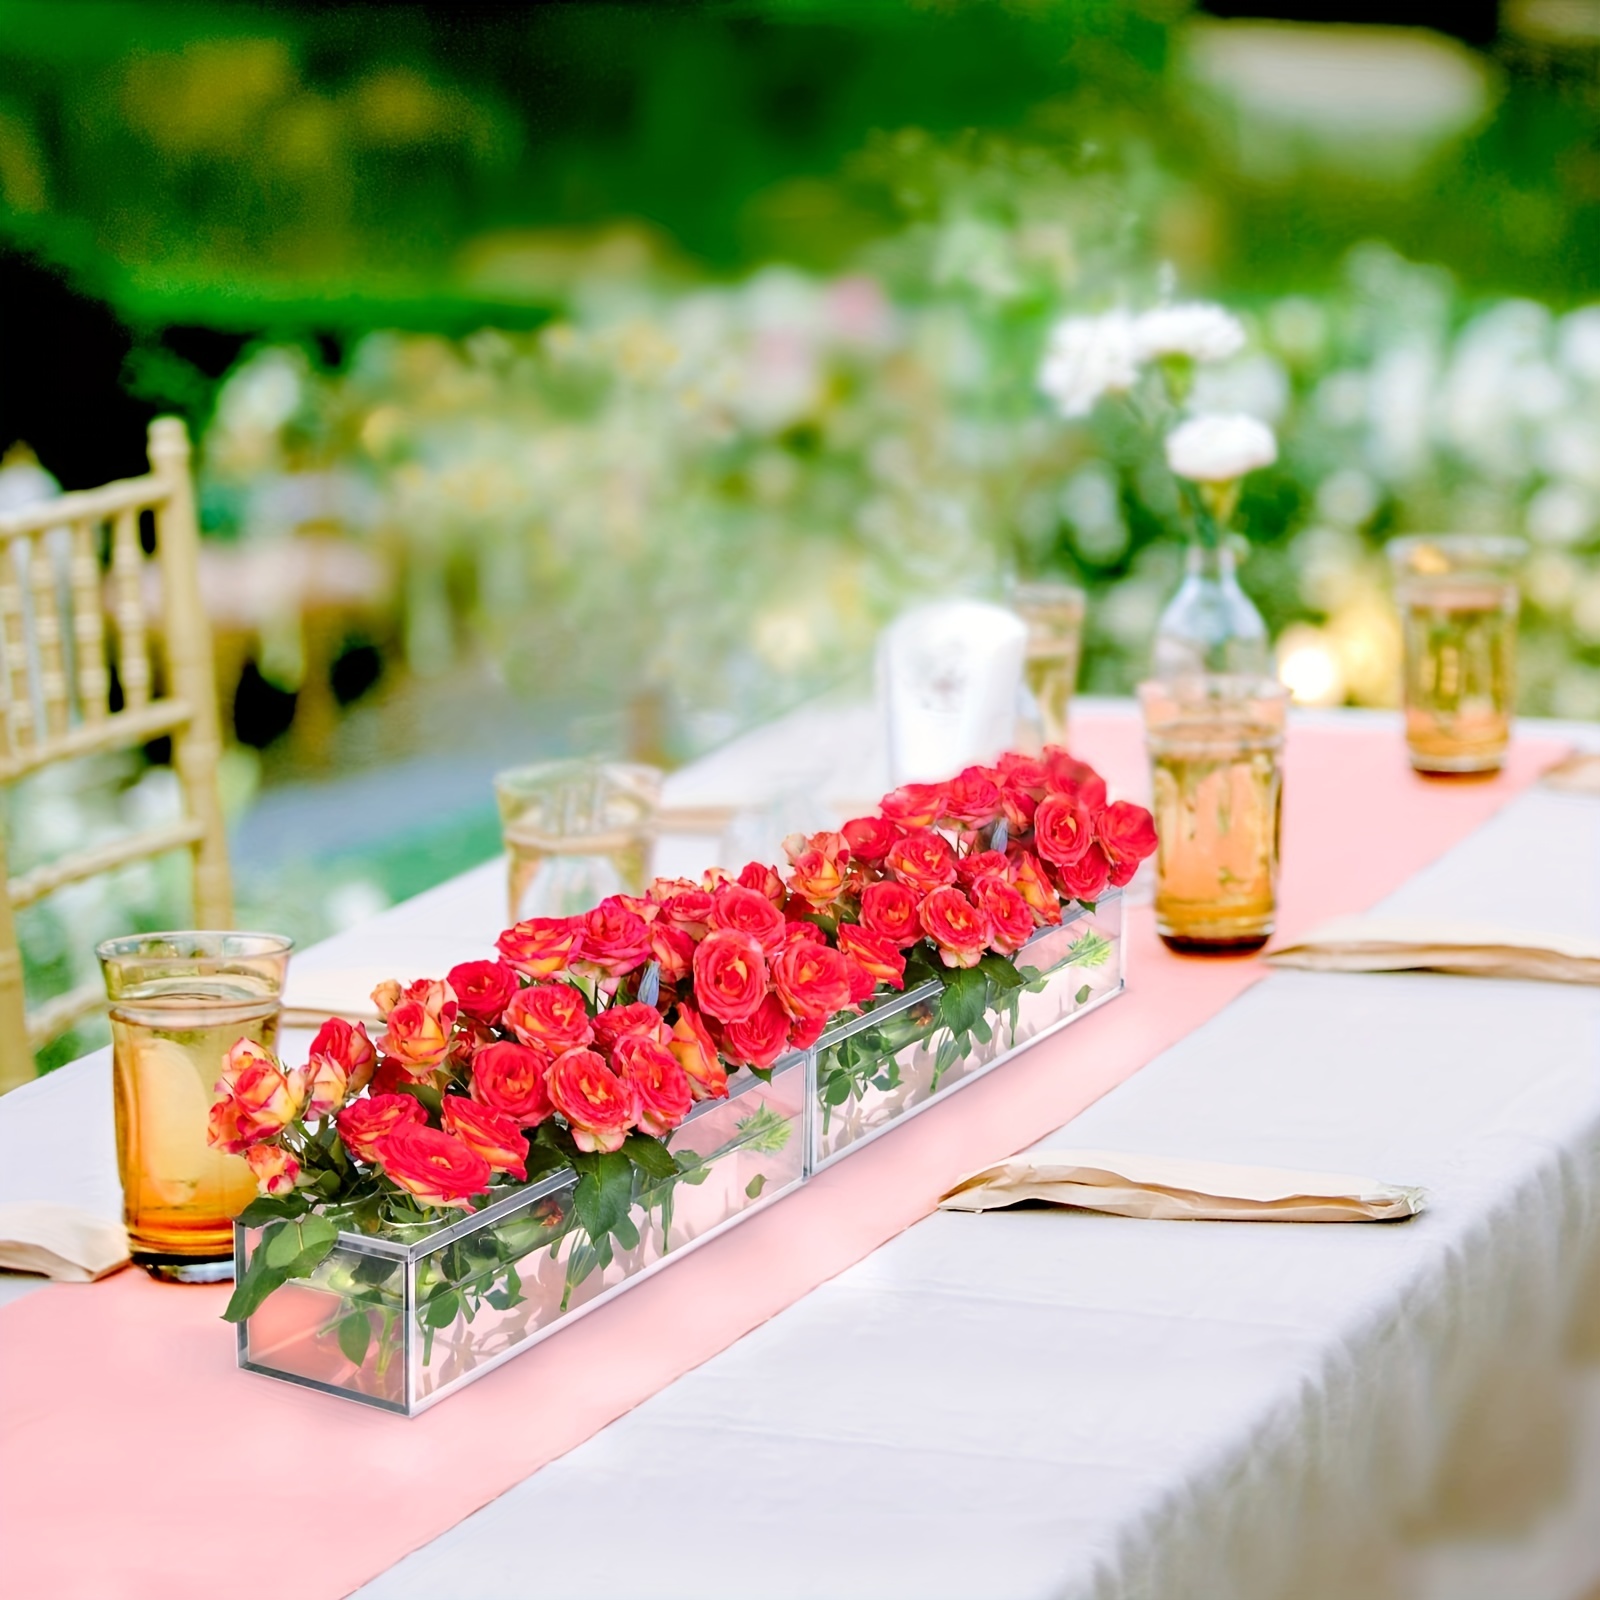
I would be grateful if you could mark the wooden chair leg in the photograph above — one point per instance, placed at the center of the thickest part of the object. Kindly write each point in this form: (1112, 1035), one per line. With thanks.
(16, 1059)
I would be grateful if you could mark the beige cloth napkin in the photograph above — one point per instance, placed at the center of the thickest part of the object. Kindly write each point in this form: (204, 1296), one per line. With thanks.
(1579, 773)
(1425, 944)
(1179, 1190)
(310, 998)
(61, 1242)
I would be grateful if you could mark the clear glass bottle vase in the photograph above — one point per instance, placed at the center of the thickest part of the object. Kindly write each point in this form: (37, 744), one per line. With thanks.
(1210, 624)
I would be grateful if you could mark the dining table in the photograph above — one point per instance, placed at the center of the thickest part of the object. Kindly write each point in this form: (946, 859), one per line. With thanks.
(858, 1394)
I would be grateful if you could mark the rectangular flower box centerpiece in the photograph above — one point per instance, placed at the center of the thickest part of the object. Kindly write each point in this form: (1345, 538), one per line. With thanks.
(911, 1050)
(403, 1316)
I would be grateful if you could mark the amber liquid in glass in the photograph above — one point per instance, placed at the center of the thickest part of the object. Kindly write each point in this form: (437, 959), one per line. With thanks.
(556, 875)
(1218, 798)
(1460, 644)
(180, 1196)
(1051, 671)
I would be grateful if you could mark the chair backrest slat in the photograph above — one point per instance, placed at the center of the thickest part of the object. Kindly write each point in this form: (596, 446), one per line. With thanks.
(127, 582)
(52, 680)
(88, 624)
(20, 729)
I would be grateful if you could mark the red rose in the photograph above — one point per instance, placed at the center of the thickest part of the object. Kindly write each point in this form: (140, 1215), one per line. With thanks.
(819, 865)
(979, 864)
(802, 930)
(599, 1105)
(914, 805)
(483, 988)
(812, 980)
(420, 1021)
(615, 937)
(1127, 834)
(862, 983)
(689, 908)
(1087, 877)
(972, 798)
(956, 926)
(746, 911)
(879, 957)
(764, 880)
(662, 1086)
(365, 1124)
(672, 949)
(255, 1098)
(697, 1055)
(805, 1031)
(730, 975)
(1019, 771)
(1029, 880)
(1011, 922)
(495, 1136)
(760, 1039)
(1073, 780)
(1062, 831)
(341, 1064)
(390, 1077)
(923, 859)
(550, 1016)
(890, 911)
(1019, 805)
(616, 1021)
(541, 947)
(435, 1167)
(870, 837)
(510, 1078)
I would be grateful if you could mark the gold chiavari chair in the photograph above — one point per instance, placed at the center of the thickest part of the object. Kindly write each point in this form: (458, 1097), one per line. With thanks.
(56, 654)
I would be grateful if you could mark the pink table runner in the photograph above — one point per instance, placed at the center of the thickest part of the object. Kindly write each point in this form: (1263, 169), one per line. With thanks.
(139, 1462)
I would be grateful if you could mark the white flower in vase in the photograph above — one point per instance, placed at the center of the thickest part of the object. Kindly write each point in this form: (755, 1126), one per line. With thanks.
(1088, 357)
(1220, 449)
(1197, 330)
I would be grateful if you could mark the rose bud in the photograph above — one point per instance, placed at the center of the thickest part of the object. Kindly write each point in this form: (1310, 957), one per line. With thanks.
(730, 975)
(433, 1166)
(914, 805)
(1018, 805)
(1010, 919)
(1017, 771)
(672, 949)
(697, 1055)
(599, 1105)
(510, 1078)
(1029, 880)
(764, 880)
(819, 865)
(877, 956)
(661, 1085)
(494, 1135)
(746, 911)
(689, 909)
(1062, 831)
(274, 1168)
(922, 859)
(956, 926)
(760, 1039)
(972, 798)
(1087, 878)
(348, 1045)
(890, 911)
(483, 988)
(364, 1124)
(1073, 780)
(978, 864)
(420, 1023)
(542, 947)
(803, 931)
(255, 1098)
(870, 838)
(1127, 834)
(616, 1021)
(812, 980)
(661, 890)
(549, 1016)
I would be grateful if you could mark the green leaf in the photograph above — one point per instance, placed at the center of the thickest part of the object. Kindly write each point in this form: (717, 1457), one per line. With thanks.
(441, 1311)
(1082, 994)
(258, 1282)
(965, 994)
(432, 1101)
(1092, 950)
(981, 1031)
(355, 1333)
(604, 1193)
(266, 1209)
(626, 1233)
(756, 1185)
(508, 1294)
(763, 1073)
(1002, 973)
(764, 1130)
(281, 1245)
(650, 1156)
(837, 1089)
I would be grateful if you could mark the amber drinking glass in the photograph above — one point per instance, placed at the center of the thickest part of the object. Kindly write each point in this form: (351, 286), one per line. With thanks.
(1054, 614)
(1458, 599)
(575, 832)
(179, 1002)
(1215, 743)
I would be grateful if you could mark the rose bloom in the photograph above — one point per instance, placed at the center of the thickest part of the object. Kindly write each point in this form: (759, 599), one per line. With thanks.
(365, 1124)
(599, 1105)
(1020, 771)
(341, 1064)
(760, 1039)
(957, 926)
(615, 937)
(763, 879)
(688, 907)
(730, 975)
(877, 956)
(862, 983)
(483, 988)
(255, 1098)
(869, 838)
(890, 911)
(433, 1166)
(803, 930)
(747, 911)
(1018, 804)
(1086, 879)
(549, 1016)
(616, 1021)
(541, 947)
(1062, 831)
(819, 865)
(812, 980)
(1074, 780)
(274, 1168)
(697, 1055)
(421, 1020)
(972, 798)
(1028, 878)
(495, 1136)
(805, 1031)
(1127, 834)
(510, 1078)
(662, 1086)
(1011, 922)
(914, 805)
(672, 949)
(979, 864)
(923, 859)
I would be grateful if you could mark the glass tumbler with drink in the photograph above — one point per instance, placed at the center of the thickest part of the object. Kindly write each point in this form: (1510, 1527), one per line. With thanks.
(1458, 601)
(1054, 615)
(1215, 742)
(179, 1002)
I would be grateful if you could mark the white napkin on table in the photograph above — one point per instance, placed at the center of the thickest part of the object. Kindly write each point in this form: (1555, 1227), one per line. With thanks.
(1179, 1190)
(311, 997)
(1579, 773)
(60, 1242)
(1426, 944)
